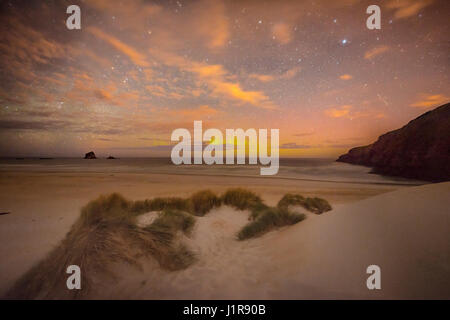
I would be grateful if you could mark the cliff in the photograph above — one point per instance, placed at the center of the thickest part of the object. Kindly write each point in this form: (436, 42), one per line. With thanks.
(419, 150)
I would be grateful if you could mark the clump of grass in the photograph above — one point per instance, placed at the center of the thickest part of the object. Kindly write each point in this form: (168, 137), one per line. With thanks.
(241, 199)
(290, 199)
(257, 209)
(267, 220)
(173, 221)
(104, 233)
(202, 202)
(105, 208)
(159, 204)
(316, 205)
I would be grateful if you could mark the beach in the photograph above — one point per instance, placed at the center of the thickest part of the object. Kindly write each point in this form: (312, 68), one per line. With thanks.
(45, 200)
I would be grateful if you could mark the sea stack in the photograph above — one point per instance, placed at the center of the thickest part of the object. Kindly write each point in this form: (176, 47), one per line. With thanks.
(90, 155)
(419, 150)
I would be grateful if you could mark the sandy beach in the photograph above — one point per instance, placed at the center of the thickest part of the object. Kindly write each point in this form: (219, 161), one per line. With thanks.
(397, 226)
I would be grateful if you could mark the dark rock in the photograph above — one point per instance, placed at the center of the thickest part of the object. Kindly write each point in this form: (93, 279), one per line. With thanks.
(110, 158)
(90, 155)
(419, 150)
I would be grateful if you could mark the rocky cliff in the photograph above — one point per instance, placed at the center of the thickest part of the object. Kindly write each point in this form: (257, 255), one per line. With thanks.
(419, 150)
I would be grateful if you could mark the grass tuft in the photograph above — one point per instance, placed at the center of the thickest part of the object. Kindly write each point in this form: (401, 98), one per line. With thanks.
(104, 233)
(202, 202)
(316, 205)
(241, 199)
(267, 220)
(172, 221)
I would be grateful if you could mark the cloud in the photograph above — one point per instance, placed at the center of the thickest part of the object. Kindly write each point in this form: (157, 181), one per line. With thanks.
(428, 101)
(304, 134)
(289, 74)
(138, 58)
(234, 90)
(262, 77)
(338, 112)
(407, 8)
(211, 23)
(12, 124)
(220, 82)
(282, 33)
(372, 53)
(293, 145)
(345, 77)
(347, 112)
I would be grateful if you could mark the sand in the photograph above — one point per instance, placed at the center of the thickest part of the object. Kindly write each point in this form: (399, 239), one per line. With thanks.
(405, 230)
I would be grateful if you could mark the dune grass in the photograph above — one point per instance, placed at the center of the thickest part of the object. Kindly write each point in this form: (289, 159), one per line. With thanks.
(267, 220)
(106, 232)
(241, 199)
(172, 221)
(316, 205)
(203, 201)
(159, 204)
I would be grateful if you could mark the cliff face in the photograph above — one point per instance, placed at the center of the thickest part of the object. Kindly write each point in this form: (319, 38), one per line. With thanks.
(419, 150)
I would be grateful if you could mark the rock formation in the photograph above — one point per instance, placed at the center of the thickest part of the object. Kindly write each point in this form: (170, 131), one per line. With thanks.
(90, 155)
(419, 150)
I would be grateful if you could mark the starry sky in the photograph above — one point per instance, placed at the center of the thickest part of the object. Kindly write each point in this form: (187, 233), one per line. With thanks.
(137, 70)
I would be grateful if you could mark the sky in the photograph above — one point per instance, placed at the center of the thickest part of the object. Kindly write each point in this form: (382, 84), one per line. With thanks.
(137, 70)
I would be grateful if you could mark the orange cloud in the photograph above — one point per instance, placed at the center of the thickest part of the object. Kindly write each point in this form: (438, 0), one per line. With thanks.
(339, 112)
(234, 91)
(291, 73)
(407, 8)
(210, 23)
(218, 79)
(138, 58)
(156, 90)
(429, 101)
(282, 33)
(372, 53)
(262, 77)
(346, 112)
(345, 77)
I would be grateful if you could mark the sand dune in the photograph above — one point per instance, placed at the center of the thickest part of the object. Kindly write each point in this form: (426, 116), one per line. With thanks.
(405, 232)
(44, 205)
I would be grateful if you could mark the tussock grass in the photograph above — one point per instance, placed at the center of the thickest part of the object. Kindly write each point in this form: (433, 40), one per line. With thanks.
(172, 221)
(316, 205)
(159, 204)
(267, 220)
(203, 201)
(241, 199)
(290, 199)
(198, 204)
(104, 233)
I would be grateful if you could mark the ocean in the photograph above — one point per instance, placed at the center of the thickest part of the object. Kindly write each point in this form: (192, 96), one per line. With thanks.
(314, 169)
